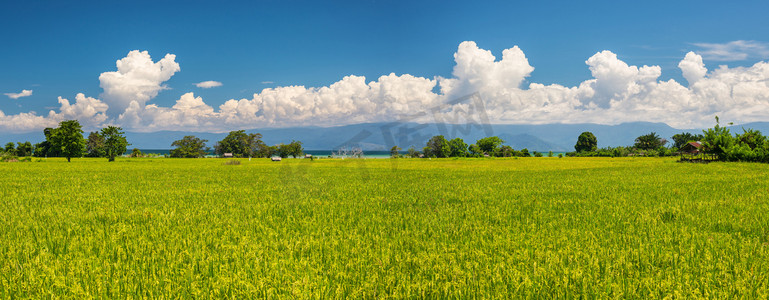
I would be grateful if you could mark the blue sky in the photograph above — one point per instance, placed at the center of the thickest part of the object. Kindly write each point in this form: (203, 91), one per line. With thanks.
(55, 48)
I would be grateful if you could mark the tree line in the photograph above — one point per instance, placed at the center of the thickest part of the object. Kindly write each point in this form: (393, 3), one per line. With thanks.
(67, 140)
(717, 142)
(438, 147)
(238, 143)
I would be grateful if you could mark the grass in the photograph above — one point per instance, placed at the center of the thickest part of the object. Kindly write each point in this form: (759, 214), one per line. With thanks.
(531, 227)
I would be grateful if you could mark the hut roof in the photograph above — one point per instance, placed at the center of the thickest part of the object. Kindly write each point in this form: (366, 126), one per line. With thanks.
(691, 147)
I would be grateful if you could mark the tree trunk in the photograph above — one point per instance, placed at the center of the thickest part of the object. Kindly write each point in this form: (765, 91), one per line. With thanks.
(111, 158)
(68, 158)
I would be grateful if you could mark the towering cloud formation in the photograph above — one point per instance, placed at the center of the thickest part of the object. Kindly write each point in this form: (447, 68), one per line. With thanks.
(617, 93)
(137, 79)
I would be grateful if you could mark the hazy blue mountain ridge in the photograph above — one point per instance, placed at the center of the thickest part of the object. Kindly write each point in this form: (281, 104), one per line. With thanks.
(382, 136)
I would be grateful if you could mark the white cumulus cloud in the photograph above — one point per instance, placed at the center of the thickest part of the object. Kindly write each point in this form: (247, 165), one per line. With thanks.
(137, 78)
(208, 84)
(91, 113)
(24, 93)
(617, 92)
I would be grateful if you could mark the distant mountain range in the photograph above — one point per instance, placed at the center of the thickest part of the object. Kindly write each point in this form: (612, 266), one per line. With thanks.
(382, 136)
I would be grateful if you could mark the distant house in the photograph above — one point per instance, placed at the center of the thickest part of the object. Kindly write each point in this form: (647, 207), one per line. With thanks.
(228, 155)
(276, 159)
(308, 156)
(691, 148)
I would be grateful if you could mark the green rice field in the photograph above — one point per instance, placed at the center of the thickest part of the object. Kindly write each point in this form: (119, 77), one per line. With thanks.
(384, 228)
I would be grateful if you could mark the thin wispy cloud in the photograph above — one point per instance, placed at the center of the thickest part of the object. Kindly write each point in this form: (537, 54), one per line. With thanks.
(734, 50)
(24, 93)
(267, 82)
(208, 84)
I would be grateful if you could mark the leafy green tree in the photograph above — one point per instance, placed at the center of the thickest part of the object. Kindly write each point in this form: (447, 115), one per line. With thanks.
(413, 153)
(189, 147)
(394, 152)
(458, 148)
(525, 152)
(751, 138)
(438, 146)
(68, 139)
(537, 154)
(272, 150)
(241, 144)
(94, 146)
(426, 151)
(24, 149)
(136, 153)
(717, 141)
(115, 142)
(505, 151)
(649, 141)
(586, 142)
(10, 148)
(681, 139)
(46, 148)
(475, 151)
(489, 145)
(293, 149)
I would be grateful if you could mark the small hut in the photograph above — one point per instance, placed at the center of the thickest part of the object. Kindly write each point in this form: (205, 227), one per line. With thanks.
(692, 148)
(692, 152)
(228, 155)
(276, 159)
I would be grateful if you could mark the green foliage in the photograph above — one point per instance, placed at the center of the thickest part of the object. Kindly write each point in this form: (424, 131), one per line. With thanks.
(489, 145)
(458, 148)
(611, 152)
(68, 139)
(649, 141)
(475, 151)
(681, 139)
(586, 142)
(438, 146)
(394, 152)
(10, 149)
(136, 153)
(24, 149)
(413, 153)
(189, 147)
(45, 148)
(293, 149)
(717, 140)
(115, 142)
(751, 138)
(242, 144)
(504, 151)
(94, 146)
